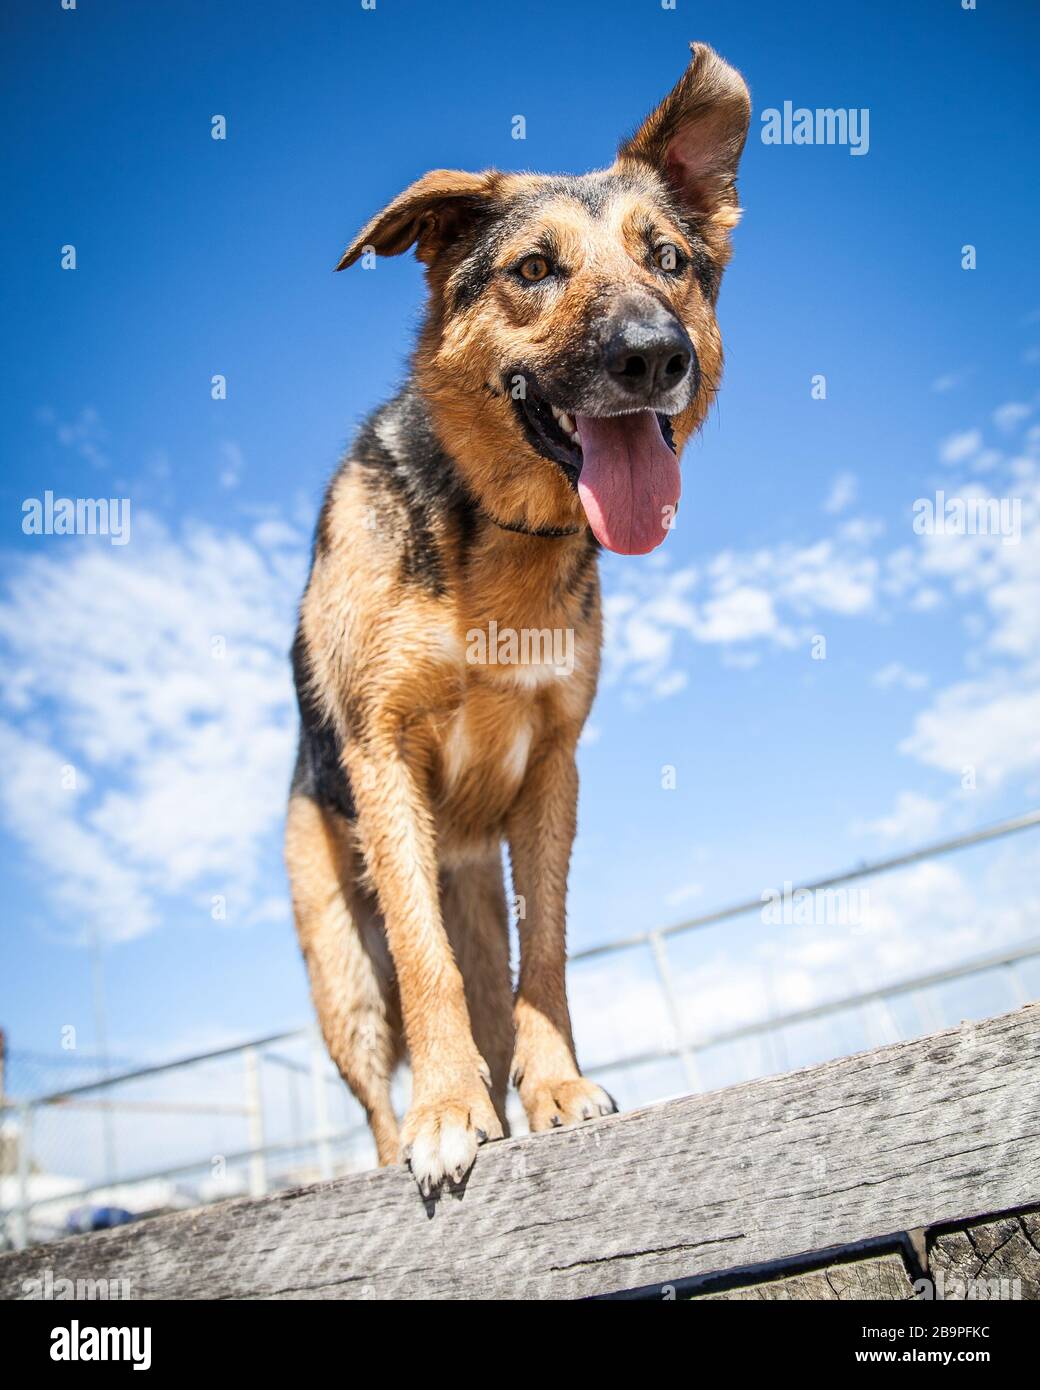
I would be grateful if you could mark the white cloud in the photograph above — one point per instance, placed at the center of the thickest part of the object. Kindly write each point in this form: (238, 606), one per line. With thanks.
(951, 380)
(739, 615)
(276, 535)
(986, 460)
(1011, 414)
(772, 595)
(829, 578)
(81, 876)
(913, 817)
(1003, 572)
(844, 491)
(159, 671)
(991, 727)
(957, 448)
(683, 894)
(895, 673)
(232, 464)
(85, 435)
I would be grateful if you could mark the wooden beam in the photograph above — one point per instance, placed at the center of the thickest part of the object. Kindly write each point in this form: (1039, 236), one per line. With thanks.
(881, 1278)
(995, 1259)
(938, 1130)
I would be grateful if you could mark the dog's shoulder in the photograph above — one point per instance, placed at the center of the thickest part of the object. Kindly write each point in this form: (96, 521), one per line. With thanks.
(396, 485)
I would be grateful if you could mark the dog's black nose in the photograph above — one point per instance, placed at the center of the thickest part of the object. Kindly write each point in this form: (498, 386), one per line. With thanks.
(647, 358)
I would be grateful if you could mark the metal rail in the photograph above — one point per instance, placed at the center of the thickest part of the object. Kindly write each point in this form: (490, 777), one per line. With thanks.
(1029, 821)
(975, 965)
(652, 938)
(684, 1050)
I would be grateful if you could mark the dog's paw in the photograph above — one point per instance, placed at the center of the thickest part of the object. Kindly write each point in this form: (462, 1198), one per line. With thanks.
(439, 1138)
(553, 1104)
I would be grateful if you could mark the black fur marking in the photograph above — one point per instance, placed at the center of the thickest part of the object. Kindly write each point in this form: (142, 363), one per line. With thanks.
(552, 533)
(583, 578)
(466, 516)
(322, 532)
(319, 772)
(487, 232)
(477, 270)
(595, 192)
(709, 277)
(422, 479)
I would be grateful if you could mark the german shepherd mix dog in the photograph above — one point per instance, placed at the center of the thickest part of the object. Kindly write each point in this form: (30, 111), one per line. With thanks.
(568, 353)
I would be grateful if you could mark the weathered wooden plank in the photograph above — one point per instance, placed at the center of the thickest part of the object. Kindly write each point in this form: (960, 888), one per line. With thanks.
(987, 1259)
(875, 1277)
(934, 1130)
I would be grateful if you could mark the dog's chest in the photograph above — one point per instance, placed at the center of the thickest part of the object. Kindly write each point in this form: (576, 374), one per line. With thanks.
(521, 689)
(507, 713)
(485, 745)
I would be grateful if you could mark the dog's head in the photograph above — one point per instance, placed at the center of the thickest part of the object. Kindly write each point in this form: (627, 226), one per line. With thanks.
(571, 346)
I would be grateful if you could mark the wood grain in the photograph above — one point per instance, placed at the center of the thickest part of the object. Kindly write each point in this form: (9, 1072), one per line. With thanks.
(988, 1259)
(931, 1131)
(876, 1277)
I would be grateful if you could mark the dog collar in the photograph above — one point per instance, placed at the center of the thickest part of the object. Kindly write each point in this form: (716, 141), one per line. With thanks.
(546, 532)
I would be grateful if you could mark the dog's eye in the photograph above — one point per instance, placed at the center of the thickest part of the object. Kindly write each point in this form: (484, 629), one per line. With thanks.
(669, 258)
(534, 268)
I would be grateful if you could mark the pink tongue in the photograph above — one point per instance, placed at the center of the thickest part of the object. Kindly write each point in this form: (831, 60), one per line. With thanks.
(629, 481)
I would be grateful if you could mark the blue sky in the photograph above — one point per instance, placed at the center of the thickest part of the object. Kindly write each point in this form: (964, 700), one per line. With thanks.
(197, 257)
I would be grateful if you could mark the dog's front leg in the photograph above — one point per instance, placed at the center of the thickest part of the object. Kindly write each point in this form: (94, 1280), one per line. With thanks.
(541, 832)
(451, 1110)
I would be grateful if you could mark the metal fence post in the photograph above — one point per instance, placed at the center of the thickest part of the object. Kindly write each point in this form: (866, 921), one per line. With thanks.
(926, 1011)
(255, 1108)
(1018, 991)
(664, 972)
(21, 1221)
(321, 1106)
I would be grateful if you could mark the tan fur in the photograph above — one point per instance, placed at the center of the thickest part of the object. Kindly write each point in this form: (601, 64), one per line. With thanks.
(402, 917)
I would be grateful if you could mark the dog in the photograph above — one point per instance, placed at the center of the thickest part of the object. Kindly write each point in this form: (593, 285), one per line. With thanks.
(569, 351)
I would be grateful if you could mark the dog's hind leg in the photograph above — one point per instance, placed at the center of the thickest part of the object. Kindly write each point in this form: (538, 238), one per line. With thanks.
(473, 905)
(351, 974)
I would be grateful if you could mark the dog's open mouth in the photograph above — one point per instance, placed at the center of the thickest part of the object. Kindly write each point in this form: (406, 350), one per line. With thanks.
(624, 468)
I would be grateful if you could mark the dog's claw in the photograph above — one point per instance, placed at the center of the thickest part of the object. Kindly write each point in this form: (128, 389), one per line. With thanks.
(442, 1137)
(556, 1104)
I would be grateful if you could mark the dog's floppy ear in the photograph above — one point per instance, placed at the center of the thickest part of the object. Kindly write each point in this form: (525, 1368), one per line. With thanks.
(429, 214)
(696, 136)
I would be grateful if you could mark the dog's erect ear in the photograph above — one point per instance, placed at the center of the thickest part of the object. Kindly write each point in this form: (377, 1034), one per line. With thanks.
(696, 136)
(429, 214)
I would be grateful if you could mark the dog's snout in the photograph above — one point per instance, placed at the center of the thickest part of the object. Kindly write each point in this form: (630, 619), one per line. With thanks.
(647, 358)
